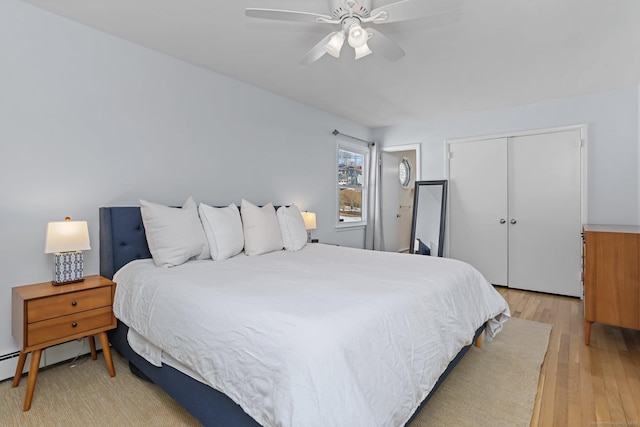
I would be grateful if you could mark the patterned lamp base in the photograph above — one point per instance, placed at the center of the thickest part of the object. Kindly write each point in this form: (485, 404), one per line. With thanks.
(68, 267)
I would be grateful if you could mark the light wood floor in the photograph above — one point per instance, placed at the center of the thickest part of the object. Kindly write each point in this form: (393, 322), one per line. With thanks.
(595, 385)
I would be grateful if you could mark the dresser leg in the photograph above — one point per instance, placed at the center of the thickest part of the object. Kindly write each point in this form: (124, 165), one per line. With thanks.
(21, 359)
(587, 331)
(106, 350)
(33, 375)
(92, 346)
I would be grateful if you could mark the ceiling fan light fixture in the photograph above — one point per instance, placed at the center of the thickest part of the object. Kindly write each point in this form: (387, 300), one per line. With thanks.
(362, 51)
(351, 15)
(335, 43)
(357, 36)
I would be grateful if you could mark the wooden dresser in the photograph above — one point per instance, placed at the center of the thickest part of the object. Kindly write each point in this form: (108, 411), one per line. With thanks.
(611, 276)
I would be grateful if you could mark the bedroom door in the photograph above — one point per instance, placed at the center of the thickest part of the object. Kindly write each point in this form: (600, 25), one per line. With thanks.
(516, 209)
(390, 202)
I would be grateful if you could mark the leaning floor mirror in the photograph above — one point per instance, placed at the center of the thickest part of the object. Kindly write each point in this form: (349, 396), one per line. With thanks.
(429, 209)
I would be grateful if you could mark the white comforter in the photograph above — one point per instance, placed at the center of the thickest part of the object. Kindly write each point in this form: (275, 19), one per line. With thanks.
(327, 336)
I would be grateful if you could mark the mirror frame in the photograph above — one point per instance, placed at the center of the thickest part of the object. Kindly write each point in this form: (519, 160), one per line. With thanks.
(443, 211)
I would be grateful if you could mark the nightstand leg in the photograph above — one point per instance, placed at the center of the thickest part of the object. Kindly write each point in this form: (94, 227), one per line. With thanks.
(33, 376)
(21, 359)
(106, 350)
(92, 346)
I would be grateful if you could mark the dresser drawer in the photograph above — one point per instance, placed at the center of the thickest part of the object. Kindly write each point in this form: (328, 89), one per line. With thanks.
(65, 327)
(68, 303)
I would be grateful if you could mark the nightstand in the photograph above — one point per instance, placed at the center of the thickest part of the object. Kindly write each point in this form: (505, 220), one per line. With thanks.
(43, 315)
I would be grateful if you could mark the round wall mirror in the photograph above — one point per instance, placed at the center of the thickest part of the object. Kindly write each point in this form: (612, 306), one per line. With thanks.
(404, 172)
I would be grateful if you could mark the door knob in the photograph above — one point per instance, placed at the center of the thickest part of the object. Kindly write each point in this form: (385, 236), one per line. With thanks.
(502, 220)
(513, 221)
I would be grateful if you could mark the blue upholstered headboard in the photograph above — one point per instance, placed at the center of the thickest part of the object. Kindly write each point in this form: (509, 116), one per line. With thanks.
(122, 238)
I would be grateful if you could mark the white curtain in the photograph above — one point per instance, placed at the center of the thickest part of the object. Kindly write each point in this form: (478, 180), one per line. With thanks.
(373, 234)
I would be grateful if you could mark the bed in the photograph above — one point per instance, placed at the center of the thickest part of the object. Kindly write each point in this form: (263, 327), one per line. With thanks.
(291, 338)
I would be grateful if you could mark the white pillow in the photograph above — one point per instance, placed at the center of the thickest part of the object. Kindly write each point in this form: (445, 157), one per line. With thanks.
(261, 230)
(292, 229)
(223, 228)
(174, 235)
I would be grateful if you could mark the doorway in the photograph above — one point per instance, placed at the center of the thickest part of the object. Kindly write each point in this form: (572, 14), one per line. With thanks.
(400, 170)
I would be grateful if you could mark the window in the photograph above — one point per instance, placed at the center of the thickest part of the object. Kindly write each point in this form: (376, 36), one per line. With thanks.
(352, 180)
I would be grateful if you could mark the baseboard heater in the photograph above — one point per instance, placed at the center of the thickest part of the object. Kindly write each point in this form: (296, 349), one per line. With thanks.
(9, 356)
(50, 356)
(8, 363)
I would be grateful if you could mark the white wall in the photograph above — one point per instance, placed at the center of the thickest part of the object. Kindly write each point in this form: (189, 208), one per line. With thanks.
(90, 120)
(613, 147)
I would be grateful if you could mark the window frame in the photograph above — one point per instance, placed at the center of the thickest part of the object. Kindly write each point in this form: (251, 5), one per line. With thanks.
(361, 149)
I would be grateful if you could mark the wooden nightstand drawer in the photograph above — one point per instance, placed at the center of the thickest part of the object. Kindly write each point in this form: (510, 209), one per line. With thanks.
(66, 327)
(73, 302)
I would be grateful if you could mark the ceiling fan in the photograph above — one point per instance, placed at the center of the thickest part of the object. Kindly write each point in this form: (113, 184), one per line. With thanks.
(350, 15)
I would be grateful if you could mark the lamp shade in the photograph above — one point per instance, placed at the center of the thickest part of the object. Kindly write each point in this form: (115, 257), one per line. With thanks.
(335, 44)
(362, 51)
(357, 36)
(309, 220)
(67, 236)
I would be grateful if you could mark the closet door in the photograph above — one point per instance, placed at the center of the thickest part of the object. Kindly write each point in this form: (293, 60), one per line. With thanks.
(478, 206)
(544, 212)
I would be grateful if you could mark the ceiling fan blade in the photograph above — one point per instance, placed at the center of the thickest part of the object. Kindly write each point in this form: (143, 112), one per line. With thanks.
(316, 52)
(286, 15)
(406, 10)
(384, 45)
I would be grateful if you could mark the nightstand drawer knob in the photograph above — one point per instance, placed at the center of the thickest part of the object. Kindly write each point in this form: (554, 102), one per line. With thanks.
(74, 303)
(74, 324)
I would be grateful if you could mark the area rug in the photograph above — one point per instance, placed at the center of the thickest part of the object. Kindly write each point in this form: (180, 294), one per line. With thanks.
(492, 386)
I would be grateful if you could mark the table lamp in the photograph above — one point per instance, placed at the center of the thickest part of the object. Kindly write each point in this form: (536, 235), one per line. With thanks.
(309, 223)
(66, 240)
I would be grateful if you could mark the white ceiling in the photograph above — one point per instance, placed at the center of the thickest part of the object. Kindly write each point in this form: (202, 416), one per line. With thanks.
(490, 54)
